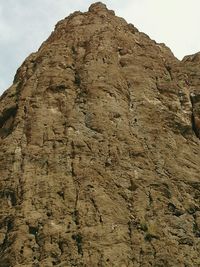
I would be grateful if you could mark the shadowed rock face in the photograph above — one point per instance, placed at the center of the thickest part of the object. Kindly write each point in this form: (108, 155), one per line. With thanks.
(191, 64)
(100, 151)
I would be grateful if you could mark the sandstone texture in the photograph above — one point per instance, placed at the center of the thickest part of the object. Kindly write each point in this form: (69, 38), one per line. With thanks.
(100, 151)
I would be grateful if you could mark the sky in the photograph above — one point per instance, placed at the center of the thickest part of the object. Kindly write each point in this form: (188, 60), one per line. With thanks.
(25, 24)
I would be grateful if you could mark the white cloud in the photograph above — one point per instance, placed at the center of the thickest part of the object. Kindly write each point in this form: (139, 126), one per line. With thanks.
(24, 25)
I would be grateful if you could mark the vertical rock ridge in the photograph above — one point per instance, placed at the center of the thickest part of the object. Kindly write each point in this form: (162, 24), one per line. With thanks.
(99, 138)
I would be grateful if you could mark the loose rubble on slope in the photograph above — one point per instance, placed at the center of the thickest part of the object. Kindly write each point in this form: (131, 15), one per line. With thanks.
(100, 151)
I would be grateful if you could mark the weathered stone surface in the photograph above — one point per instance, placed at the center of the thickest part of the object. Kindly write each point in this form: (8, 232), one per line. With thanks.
(191, 65)
(100, 155)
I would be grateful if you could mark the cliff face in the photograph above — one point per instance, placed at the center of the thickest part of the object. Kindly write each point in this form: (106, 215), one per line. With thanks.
(100, 151)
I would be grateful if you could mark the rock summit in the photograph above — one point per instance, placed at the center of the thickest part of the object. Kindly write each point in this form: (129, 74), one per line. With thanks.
(100, 151)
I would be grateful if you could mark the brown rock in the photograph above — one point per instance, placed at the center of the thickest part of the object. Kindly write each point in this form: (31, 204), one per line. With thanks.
(99, 151)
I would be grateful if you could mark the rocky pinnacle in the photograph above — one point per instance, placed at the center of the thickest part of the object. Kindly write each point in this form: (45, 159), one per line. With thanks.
(100, 151)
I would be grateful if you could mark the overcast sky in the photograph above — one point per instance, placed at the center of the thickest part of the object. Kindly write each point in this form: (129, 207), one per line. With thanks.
(25, 24)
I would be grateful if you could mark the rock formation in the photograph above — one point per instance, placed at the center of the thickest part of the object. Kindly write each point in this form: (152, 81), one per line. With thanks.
(100, 151)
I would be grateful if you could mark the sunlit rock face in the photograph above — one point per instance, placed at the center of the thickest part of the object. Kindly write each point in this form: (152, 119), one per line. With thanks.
(100, 151)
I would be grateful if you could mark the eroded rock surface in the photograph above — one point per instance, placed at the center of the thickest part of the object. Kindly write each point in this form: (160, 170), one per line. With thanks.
(100, 151)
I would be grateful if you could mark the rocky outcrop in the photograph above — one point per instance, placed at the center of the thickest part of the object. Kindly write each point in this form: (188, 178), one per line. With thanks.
(191, 66)
(100, 151)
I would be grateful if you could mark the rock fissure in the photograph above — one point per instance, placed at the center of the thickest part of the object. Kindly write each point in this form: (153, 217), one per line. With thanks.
(97, 210)
(195, 119)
